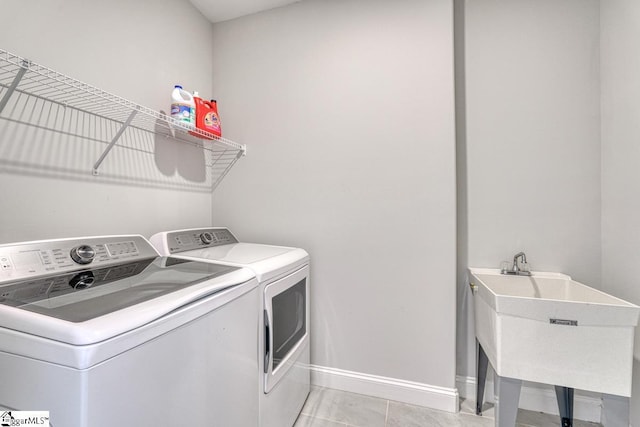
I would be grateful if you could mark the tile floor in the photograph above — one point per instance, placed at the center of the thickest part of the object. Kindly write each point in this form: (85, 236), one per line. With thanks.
(333, 408)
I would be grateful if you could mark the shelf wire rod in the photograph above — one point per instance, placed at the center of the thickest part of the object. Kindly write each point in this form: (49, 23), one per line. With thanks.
(113, 141)
(14, 84)
(227, 169)
(39, 97)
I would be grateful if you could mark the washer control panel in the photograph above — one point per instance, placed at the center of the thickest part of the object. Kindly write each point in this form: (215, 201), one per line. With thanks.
(186, 240)
(30, 259)
(46, 287)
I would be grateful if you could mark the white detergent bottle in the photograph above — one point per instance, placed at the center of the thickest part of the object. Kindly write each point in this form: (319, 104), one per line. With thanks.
(183, 107)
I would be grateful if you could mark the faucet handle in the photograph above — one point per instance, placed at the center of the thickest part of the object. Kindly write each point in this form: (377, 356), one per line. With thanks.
(519, 266)
(505, 267)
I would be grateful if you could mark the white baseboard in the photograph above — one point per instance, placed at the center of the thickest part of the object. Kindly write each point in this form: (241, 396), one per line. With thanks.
(445, 399)
(539, 398)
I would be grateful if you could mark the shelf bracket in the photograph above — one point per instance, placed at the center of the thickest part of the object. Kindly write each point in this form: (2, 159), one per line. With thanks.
(114, 140)
(14, 84)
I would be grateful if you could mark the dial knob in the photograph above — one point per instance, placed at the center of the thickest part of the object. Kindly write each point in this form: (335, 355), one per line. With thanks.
(82, 280)
(206, 237)
(83, 254)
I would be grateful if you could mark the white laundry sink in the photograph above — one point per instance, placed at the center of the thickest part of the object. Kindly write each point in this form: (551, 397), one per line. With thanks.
(550, 329)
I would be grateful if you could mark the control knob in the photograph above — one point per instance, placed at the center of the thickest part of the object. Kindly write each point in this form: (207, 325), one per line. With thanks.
(206, 238)
(83, 254)
(82, 280)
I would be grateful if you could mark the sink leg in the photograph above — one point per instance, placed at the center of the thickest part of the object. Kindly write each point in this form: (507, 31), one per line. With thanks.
(481, 375)
(565, 405)
(507, 392)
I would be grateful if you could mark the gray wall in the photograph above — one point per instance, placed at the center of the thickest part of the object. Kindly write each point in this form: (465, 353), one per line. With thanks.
(348, 109)
(620, 24)
(532, 143)
(137, 50)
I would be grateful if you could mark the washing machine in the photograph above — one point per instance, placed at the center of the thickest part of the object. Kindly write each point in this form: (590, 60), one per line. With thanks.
(102, 331)
(283, 339)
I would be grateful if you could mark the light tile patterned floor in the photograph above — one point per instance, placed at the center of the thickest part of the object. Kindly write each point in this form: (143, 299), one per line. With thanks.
(333, 408)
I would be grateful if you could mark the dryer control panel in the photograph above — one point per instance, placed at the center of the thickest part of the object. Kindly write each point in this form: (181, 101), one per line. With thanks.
(31, 259)
(186, 240)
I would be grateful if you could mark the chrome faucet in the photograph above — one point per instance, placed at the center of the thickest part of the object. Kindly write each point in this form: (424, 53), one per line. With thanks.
(515, 269)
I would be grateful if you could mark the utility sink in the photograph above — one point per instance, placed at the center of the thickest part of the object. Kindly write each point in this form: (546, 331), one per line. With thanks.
(551, 329)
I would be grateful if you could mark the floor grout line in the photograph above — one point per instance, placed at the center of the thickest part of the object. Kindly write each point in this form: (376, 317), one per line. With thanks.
(386, 415)
(330, 420)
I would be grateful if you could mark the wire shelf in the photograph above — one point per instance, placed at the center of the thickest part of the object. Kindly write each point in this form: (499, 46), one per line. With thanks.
(20, 76)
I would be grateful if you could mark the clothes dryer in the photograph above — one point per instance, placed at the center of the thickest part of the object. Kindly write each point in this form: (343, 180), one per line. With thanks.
(283, 338)
(101, 331)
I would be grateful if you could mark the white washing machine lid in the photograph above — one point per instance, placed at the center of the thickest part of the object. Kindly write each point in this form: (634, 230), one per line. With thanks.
(121, 298)
(267, 262)
(218, 244)
(246, 253)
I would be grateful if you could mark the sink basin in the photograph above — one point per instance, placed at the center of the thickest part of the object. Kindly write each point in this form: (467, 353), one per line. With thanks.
(551, 329)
